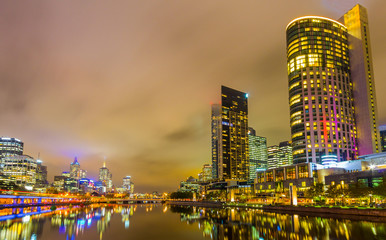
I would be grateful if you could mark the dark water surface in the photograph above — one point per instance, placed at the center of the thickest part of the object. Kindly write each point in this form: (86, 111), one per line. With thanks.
(161, 222)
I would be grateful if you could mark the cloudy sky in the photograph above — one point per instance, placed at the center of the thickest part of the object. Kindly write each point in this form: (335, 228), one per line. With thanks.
(132, 81)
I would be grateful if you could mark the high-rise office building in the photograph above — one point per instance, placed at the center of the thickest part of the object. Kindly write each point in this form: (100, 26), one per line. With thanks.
(75, 169)
(127, 184)
(258, 155)
(105, 177)
(362, 77)
(216, 139)
(382, 133)
(285, 156)
(10, 147)
(233, 153)
(273, 156)
(280, 155)
(327, 110)
(20, 168)
(41, 174)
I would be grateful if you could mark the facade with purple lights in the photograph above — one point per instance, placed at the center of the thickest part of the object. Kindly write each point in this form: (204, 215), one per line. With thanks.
(331, 87)
(320, 90)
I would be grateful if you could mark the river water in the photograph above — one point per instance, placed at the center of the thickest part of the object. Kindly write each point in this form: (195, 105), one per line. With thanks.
(161, 222)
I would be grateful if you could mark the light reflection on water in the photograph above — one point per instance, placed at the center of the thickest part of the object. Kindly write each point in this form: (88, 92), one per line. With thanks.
(176, 222)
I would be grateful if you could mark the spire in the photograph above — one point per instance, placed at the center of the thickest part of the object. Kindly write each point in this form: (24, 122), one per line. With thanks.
(75, 161)
(104, 164)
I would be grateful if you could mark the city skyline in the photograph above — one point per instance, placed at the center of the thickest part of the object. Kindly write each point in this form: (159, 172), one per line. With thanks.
(149, 114)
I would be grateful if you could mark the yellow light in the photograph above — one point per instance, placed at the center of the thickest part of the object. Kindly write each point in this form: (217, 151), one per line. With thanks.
(315, 19)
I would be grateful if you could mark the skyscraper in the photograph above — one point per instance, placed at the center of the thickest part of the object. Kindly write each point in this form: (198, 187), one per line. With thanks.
(10, 147)
(285, 155)
(41, 174)
(105, 177)
(362, 76)
(258, 155)
(331, 87)
(75, 169)
(280, 155)
(127, 184)
(216, 139)
(233, 153)
(20, 168)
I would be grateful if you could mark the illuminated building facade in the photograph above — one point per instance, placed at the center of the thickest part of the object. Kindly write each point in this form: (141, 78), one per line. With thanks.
(216, 139)
(206, 173)
(362, 76)
(41, 174)
(233, 162)
(331, 87)
(75, 169)
(280, 155)
(320, 90)
(278, 180)
(128, 185)
(382, 133)
(106, 177)
(20, 168)
(10, 147)
(258, 155)
(190, 185)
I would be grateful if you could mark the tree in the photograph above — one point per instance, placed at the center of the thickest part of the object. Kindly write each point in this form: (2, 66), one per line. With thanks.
(181, 195)
(315, 191)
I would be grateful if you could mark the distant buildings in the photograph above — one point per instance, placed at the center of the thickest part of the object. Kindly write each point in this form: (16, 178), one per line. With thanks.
(258, 155)
(280, 155)
(230, 149)
(128, 185)
(41, 174)
(206, 173)
(75, 171)
(105, 177)
(331, 87)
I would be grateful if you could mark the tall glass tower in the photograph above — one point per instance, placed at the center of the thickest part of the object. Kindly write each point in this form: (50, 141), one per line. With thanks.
(331, 87)
(216, 139)
(230, 146)
(320, 90)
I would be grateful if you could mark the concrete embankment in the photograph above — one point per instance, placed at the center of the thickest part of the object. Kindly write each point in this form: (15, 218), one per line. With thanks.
(328, 210)
(290, 209)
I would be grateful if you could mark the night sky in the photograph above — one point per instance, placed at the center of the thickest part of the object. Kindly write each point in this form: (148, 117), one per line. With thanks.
(132, 81)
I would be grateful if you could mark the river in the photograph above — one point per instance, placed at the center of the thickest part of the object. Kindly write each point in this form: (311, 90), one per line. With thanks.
(161, 222)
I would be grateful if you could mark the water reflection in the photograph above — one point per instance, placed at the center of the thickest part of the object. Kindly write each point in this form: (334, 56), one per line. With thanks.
(116, 222)
(231, 223)
(70, 221)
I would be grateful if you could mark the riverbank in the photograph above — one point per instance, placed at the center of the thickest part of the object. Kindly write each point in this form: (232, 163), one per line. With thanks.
(315, 210)
(210, 204)
(42, 204)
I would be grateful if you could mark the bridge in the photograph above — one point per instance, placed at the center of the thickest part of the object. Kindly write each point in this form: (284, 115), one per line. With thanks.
(37, 200)
(19, 201)
(127, 200)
